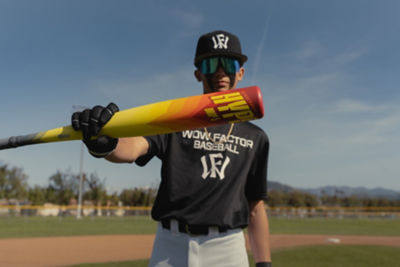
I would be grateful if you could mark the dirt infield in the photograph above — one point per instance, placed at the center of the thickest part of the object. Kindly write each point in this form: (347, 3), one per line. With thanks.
(61, 251)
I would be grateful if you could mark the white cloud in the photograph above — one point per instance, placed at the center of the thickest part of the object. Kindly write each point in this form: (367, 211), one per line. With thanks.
(314, 55)
(354, 124)
(389, 122)
(309, 49)
(319, 81)
(352, 105)
(348, 57)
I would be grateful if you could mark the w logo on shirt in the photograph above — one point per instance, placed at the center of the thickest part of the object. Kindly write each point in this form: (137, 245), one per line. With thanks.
(214, 166)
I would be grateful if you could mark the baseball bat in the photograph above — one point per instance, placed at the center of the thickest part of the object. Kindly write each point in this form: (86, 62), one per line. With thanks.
(163, 117)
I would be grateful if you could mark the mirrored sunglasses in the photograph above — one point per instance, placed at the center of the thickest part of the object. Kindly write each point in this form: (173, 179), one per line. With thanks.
(210, 65)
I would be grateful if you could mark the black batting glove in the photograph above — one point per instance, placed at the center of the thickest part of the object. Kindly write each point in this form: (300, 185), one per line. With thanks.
(90, 122)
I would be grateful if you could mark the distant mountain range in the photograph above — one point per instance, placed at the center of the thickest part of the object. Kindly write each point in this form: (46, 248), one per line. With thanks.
(280, 187)
(339, 191)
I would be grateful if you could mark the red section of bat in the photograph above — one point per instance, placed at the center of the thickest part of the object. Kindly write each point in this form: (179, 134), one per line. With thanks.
(215, 108)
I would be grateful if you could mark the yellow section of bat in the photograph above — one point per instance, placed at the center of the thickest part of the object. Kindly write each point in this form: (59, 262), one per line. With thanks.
(132, 122)
(65, 133)
(126, 123)
(137, 121)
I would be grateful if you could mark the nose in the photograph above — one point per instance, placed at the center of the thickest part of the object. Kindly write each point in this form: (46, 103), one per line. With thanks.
(220, 71)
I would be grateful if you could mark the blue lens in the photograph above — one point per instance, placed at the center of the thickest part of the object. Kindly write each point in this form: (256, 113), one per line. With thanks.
(230, 65)
(210, 65)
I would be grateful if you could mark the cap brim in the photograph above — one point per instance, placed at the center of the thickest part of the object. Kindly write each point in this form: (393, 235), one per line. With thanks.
(242, 58)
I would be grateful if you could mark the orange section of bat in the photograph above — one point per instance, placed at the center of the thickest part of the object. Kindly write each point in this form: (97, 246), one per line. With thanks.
(211, 109)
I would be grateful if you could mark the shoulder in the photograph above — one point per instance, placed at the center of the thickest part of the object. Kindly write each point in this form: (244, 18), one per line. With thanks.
(253, 130)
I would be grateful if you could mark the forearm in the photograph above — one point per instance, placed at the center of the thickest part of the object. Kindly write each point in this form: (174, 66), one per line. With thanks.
(128, 150)
(258, 232)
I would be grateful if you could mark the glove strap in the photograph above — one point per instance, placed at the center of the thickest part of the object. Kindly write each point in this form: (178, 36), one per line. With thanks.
(264, 264)
(100, 155)
(101, 147)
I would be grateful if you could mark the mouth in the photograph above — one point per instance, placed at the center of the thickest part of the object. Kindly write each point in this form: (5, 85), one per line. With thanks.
(221, 83)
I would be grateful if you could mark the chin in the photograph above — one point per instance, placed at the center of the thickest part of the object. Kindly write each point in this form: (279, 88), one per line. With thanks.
(223, 88)
(219, 89)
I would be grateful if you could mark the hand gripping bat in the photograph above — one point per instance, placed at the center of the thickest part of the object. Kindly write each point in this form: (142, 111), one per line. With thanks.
(163, 117)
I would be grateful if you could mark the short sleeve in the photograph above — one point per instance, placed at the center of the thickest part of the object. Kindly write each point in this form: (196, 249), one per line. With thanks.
(256, 184)
(157, 147)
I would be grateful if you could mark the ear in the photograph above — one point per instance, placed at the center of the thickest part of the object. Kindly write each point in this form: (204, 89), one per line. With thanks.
(240, 74)
(198, 75)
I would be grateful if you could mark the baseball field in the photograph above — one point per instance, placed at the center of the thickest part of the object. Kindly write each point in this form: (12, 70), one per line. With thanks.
(126, 241)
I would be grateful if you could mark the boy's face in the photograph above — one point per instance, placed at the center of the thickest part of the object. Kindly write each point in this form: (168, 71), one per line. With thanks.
(220, 80)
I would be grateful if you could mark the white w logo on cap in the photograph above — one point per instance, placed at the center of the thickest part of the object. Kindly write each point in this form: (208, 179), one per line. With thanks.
(220, 41)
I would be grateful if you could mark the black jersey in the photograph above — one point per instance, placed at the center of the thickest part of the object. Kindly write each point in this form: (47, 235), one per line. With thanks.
(209, 178)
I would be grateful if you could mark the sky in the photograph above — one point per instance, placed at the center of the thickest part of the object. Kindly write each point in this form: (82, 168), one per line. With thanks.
(328, 71)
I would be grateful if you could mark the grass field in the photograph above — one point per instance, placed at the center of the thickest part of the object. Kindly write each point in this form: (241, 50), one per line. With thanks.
(324, 256)
(316, 256)
(11, 227)
(371, 226)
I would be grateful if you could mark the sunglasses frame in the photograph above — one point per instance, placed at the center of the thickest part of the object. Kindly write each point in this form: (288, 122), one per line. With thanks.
(210, 65)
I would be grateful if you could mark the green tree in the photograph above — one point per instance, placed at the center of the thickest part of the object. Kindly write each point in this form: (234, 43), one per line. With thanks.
(13, 183)
(113, 199)
(151, 196)
(310, 200)
(351, 201)
(296, 199)
(138, 196)
(126, 197)
(62, 187)
(37, 195)
(276, 198)
(3, 181)
(96, 190)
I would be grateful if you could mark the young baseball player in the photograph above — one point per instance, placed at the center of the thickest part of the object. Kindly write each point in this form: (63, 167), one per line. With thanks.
(213, 180)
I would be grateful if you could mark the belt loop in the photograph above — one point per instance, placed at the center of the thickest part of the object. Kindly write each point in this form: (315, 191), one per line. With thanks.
(174, 226)
(213, 231)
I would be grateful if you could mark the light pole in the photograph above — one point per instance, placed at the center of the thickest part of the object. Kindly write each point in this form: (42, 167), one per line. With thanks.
(79, 208)
(80, 190)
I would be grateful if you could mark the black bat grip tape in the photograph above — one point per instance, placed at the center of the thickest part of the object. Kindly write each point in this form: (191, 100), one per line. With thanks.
(16, 141)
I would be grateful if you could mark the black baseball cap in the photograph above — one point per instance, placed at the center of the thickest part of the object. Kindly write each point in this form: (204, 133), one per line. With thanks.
(219, 43)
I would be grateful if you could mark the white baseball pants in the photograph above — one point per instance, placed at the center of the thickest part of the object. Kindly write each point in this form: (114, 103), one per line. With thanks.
(175, 249)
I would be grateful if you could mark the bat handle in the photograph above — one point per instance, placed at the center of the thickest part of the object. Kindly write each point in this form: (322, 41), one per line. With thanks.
(54, 135)
(17, 141)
